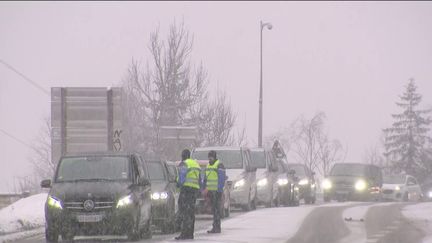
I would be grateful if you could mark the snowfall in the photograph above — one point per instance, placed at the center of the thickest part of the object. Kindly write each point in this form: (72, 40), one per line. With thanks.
(25, 218)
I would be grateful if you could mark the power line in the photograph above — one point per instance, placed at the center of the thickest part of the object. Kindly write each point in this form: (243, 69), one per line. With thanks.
(15, 138)
(25, 77)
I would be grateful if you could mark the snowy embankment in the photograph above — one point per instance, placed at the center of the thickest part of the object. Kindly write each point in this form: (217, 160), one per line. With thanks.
(24, 215)
(421, 216)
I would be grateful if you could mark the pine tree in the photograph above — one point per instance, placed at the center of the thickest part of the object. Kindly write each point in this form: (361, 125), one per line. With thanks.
(407, 140)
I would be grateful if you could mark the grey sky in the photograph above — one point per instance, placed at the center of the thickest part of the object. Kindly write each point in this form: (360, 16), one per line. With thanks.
(348, 59)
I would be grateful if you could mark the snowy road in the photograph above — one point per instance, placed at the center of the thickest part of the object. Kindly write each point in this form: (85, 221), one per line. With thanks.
(322, 223)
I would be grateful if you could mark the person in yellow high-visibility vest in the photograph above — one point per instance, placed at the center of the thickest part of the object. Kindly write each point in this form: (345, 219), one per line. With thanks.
(189, 181)
(214, 182)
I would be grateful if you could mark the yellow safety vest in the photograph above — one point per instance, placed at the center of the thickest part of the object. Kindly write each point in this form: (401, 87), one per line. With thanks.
(212, 176)
(193, 174)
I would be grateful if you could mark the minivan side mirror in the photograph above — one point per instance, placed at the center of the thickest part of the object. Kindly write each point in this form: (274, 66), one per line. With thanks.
(45, 184)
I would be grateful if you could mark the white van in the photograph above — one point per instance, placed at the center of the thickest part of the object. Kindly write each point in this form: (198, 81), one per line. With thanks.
(241, 175)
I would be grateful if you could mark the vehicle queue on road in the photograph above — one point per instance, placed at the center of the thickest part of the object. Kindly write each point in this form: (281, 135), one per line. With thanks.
(110, 193)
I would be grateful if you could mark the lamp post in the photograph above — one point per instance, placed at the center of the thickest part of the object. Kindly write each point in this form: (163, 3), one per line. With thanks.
(260, 119)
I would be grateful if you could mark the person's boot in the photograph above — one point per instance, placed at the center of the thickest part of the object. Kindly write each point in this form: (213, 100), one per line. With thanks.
(183, 237)
(214, 231)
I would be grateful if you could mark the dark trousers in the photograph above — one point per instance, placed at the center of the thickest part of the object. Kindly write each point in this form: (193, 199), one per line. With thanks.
(216, 201)
(186, 202)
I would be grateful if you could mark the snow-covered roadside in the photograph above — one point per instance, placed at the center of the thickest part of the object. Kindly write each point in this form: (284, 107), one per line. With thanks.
(24, 214)
(421, 216)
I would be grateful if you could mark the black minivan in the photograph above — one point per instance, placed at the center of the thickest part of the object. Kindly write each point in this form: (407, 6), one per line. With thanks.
(353, 181)
(98, 194)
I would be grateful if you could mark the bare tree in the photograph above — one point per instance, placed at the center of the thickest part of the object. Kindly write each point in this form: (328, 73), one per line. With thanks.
(330, 152)
(218, 120)
(41, 152)
(170, 91)
(307, 143)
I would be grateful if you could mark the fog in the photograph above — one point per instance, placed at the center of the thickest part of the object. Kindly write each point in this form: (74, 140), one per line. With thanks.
(349, 60)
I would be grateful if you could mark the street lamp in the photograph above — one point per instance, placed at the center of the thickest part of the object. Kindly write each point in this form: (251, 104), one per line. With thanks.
(260, 119)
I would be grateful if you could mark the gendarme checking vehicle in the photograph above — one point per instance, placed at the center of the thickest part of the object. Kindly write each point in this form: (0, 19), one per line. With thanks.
(241, 175)
(267, 175)
(99, 194)
(353, 181)
(164, 196)
(401, 188)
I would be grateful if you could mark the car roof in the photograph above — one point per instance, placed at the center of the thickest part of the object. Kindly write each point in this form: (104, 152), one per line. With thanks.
(102, 153)
(363, 164)
(216, 148)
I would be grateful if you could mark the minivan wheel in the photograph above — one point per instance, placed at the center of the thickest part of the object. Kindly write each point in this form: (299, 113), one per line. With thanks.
(51, 234)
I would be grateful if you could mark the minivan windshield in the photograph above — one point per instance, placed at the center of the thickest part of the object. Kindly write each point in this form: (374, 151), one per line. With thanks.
(156, 171)
(258, 159)
(93, 168)
(395, 179)
(299, 169)
(348, 170)
(232, 159)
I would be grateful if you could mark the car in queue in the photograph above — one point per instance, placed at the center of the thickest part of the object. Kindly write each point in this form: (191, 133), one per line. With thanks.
(287, 185)
(241, 175)
(98, 194)
(267, 174)
(353, 181)
(164, 196)
(426, 187)
(306, 182)
(401, 188)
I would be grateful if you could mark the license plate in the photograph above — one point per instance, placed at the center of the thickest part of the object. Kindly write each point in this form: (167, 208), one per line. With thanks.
(89, 218)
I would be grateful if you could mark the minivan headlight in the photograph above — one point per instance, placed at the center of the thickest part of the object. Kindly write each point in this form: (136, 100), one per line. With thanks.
(124, 201)
(54, 202)
(282, 182)
(262, 182)
(159, 195)
(397, 188)
(239, 183)
(327, 184)
(360, 185)
(303, 182)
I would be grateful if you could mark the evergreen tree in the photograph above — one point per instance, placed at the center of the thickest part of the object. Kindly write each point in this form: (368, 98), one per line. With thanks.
(406, 141)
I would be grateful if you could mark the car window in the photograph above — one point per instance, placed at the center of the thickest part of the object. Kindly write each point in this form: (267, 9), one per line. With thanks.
(232, 159)
(299, 169)
(394, 179)
(258, 159)
(348, 170)
(156, 171)
(411, 181)
(93, 168)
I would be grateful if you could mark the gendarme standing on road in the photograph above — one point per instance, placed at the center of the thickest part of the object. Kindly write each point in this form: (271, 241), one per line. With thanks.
(214, 182)
(189, 182)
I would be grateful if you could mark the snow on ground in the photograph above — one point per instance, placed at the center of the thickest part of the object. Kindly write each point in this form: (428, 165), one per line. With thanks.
(24, 214)
(421, 215)
(279, 224)
(354, 220)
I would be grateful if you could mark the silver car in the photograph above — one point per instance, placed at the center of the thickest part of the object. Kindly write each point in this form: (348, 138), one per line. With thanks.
(401, 188)
(267, 176)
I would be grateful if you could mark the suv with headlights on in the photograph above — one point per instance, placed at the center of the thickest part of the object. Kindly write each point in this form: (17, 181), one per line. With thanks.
(306, 182)
(241, 174)
(164, 196)
(353, 181)
(98, 194)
